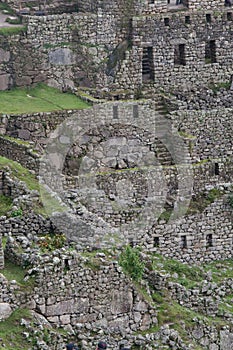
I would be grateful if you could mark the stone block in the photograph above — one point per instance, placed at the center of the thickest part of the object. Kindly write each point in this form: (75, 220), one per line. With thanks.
(4, 81)
(5, 311)
(4, 56)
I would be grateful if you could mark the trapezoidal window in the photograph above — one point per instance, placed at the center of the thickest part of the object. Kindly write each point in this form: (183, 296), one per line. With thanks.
(156, 242)
(210, 52)
(209, 240)
(229, 16)
(147, 64)
(208, 18)
(183, 242)
(179, 55)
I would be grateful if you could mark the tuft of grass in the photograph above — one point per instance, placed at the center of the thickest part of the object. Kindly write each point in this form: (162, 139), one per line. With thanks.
(20, 173)
(7, 31)
(5, 204)
(11, 330)
(40, 98)
(223, 85)
(188, 276)
(14, 272)
(6, 8)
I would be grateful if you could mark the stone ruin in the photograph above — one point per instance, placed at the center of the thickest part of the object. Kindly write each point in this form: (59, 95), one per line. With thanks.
(159, 77)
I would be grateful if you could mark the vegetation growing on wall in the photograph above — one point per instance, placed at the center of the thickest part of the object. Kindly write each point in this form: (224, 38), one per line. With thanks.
(131, 263)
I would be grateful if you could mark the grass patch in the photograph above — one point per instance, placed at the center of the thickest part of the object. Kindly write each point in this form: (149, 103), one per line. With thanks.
(188, 276)
(7, 31)
(16, 140)
(11, 330)
(200, 202)
(40, 98)
(6, 8)
(220, 270)
(217, 87)
(5, 204)
(20, 173)
(14, 272)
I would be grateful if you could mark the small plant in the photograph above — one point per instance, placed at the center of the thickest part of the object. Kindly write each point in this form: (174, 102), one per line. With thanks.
(51, 242)
(131, 263)
(217, 87)
(16, 213)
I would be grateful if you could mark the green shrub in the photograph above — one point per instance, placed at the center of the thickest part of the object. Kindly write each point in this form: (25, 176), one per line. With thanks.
(131, 263)
(16, 213)
(51, 242)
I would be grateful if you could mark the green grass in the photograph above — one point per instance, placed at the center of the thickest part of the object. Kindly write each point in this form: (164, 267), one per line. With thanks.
(24, 175)
(11, 330)
(5, 204)
(5, 7)
(7, 31)
(40, 98)
(14, 272)
(188, 276)
(20, 173)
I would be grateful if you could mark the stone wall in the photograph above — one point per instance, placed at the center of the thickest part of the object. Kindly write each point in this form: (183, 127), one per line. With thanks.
(35, 127)
(205, 130)
(1, 254)
(208, 235)
(105, 49)
(200, 131)
(164, 39)
(20, 153)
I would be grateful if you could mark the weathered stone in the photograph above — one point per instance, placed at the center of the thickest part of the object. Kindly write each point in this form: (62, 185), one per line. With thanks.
(5, 311)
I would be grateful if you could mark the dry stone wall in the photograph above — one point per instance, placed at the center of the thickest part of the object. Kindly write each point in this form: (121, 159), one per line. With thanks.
(19, 153)
(208, 235)
(164, 39)
(105, 49)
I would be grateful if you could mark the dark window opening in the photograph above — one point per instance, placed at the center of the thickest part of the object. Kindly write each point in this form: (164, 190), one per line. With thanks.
(179, 57)
(183, 242)
(187, 20)
(209, 240)
(166, 21)
(229, 16)
(168, 1)
(135, 111)
(147, 64)
(156, 242)
(210, 52)
(208, 18)
(228, 3)
(115, 112)
(66, 263)
(151, 1)
(9, 191)
(216, 169)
